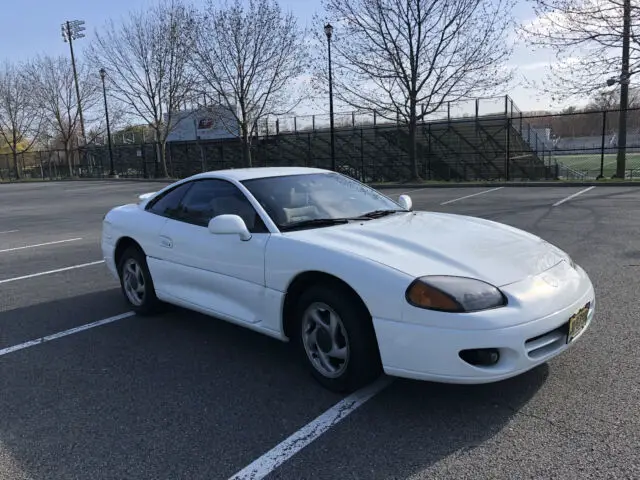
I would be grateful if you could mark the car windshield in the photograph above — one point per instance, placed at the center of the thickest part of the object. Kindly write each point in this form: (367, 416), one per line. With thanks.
(317, 199)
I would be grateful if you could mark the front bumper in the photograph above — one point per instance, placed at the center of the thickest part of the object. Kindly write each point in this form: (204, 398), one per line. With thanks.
(431, 352)
(108, 254)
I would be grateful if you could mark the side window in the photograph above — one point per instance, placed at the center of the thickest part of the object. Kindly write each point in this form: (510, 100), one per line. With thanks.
(210, 198)
(167, 205)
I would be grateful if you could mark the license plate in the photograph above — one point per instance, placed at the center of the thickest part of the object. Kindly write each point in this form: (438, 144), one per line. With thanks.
(577, 322)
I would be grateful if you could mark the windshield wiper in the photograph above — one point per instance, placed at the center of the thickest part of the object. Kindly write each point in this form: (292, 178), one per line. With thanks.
(324, 222)
(314, 222)
(380, 213)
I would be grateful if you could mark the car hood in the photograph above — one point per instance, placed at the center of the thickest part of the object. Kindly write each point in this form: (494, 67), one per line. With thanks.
(425, 243)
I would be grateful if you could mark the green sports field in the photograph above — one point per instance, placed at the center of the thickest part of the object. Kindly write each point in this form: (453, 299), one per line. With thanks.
(589, 164)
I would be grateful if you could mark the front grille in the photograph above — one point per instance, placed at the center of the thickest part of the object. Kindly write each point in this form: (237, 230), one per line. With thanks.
(546, 343)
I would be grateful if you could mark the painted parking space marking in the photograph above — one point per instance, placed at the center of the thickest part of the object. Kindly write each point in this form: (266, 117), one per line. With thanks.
(573, 196)
(414, 190)
(279, 454)
(472, 195)
(65, 333)
(40, 245)
(49, 272)
(8, 231)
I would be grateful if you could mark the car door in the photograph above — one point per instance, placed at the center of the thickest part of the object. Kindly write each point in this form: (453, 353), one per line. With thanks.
(220, 274)
(147, 231)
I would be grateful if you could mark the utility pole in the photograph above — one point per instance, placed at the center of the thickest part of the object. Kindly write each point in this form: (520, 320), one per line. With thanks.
(624, 91)
(72, 30)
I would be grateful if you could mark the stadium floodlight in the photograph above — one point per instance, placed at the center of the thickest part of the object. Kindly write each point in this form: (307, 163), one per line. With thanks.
(72, 30)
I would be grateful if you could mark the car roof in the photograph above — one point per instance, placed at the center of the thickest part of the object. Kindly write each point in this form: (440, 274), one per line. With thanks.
(241, 174)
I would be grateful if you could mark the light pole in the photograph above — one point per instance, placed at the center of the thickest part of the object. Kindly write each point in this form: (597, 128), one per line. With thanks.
(103, 74)
(328, 30)
(72, 30)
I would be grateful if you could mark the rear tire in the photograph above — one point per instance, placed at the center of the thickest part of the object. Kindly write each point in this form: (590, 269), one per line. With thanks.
(335, 337)
(136, 282)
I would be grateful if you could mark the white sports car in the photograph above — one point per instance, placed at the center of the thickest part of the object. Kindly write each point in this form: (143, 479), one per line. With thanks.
(359, 283)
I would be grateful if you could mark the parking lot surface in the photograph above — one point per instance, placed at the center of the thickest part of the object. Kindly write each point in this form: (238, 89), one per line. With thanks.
(181, 395)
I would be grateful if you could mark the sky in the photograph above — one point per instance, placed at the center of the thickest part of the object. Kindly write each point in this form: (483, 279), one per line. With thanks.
(38, 31)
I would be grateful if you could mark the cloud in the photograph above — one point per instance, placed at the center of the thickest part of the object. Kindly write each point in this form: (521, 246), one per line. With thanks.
(533, 66)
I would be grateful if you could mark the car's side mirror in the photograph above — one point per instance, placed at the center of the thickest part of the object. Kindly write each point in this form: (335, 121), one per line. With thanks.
(229, 225)
(405, 202)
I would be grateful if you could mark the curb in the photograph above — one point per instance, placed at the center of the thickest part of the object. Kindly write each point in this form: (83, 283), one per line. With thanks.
(505, 184)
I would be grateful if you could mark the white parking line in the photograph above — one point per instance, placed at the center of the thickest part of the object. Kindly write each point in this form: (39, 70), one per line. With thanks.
(9, 231)
(472, 195)
(40, 245)
(49, 272)
(275, 457)
(573, 196)
(414, 190)
(65, 333)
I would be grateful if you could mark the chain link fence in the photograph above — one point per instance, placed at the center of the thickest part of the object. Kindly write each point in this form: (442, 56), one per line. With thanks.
(486, 139)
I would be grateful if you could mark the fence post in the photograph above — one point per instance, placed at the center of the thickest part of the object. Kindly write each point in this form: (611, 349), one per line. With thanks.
(429, 151)
(508, 149)
(520, 130)
(143, 157)
(604, 133)
(363, 179)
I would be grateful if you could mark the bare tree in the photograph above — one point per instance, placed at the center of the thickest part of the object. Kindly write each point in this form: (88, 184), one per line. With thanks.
(587, 38)
(249, 59)
(593, 41)
(405, 58)
(20, 118)
(53, 91)
(610, 100)
(146, 58)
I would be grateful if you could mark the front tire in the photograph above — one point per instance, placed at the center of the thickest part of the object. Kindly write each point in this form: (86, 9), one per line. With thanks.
(335, 337)
(136, 282)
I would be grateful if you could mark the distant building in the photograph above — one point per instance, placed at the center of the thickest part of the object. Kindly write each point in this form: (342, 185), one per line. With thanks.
(211, 122)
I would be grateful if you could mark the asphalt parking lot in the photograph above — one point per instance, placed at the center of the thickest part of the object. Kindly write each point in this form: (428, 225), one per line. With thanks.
(185, 396)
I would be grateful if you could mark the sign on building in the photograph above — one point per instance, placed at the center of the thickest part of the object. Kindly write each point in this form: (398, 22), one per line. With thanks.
(206, 123)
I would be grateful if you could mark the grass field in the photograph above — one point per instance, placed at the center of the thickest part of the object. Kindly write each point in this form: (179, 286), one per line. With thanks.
(589, 164)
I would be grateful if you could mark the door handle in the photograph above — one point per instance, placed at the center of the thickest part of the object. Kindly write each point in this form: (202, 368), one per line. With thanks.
(166, 242)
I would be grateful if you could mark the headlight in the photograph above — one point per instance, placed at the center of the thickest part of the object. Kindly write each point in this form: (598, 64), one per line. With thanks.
(454, 294)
